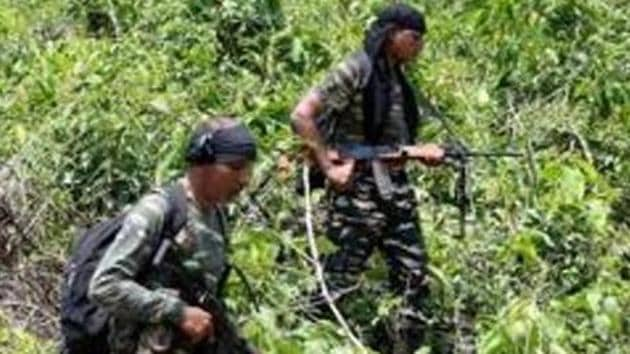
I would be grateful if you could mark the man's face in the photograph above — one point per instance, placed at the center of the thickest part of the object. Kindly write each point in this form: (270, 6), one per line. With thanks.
(406, 44)
(231, 179)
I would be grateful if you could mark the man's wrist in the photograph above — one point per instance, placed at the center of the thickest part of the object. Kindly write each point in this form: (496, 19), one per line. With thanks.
(322, 158)
(175, 312)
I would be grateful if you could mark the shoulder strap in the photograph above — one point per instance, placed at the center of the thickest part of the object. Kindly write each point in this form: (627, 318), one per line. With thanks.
(365, 61)
(177, 212)
(373, 101)
(174, 220)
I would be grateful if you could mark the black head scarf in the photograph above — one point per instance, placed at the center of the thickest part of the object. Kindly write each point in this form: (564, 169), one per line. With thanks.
(229, 144)
(376, 95)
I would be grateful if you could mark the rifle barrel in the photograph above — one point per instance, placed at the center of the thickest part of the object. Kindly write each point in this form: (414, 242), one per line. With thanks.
(486, 154)
(499, 154)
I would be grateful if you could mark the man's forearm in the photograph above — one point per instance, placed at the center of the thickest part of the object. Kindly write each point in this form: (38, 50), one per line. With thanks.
(113, 285)
(307, 130)
(130, 300)
(303, 123)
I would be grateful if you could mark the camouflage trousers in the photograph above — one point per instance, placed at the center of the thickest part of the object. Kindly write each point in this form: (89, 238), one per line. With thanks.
(360, 221)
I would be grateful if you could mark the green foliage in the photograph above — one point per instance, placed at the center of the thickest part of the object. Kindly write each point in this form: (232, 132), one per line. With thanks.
(96, 100)
(19, 342)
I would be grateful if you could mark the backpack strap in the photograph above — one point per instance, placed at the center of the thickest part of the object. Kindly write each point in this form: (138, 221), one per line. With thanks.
(366, 64)
(174, 220)
(177, 212)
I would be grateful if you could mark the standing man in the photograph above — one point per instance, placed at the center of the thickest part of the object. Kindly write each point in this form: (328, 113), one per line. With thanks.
(368, 100)
(154, 310)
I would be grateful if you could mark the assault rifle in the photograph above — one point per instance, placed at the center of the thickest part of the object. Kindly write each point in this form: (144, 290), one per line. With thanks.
(362, 152)
(226, 338)
(456, 155)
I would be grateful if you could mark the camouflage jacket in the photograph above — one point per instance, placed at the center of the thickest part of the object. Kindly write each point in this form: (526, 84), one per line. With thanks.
(342, 95)
(199, 251)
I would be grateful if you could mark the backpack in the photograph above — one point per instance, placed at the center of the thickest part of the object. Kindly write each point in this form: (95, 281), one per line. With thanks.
(84, 325)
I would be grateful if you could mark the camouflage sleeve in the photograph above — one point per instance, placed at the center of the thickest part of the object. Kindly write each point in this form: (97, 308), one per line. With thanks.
(342, 83)
(113, 286)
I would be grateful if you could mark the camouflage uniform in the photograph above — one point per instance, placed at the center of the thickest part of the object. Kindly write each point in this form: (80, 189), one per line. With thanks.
(341, 92)
(145, 312)
(360, 220)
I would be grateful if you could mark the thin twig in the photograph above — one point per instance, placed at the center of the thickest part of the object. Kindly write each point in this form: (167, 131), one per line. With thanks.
(583, 143)
(338, 295)
(36, 217)
(112, 16)
(531, 164)
(319, 271)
